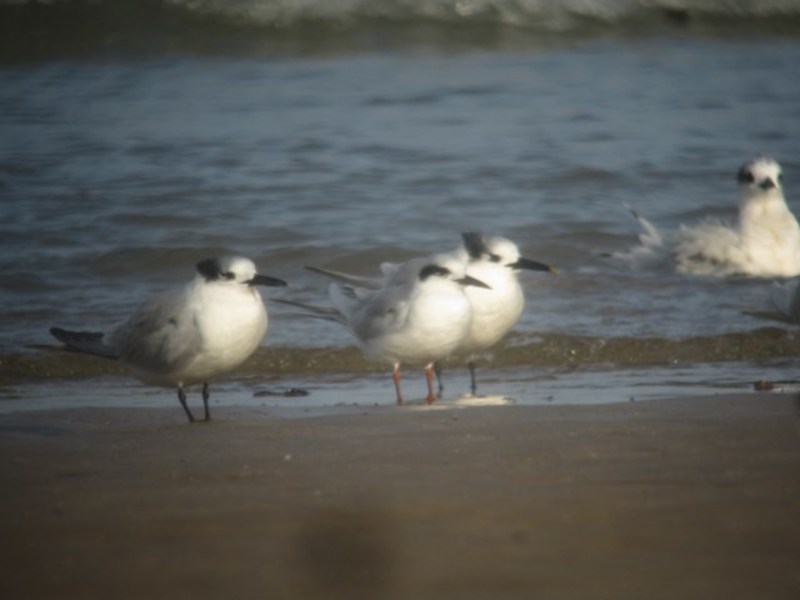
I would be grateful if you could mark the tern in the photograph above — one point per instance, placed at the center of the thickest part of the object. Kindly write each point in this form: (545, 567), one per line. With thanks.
(496, 261)
(191, 334)
(417, 313)
(764, 242)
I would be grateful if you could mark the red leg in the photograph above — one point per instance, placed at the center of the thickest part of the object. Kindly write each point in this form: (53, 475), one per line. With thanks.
(396, 377)
(429, 378)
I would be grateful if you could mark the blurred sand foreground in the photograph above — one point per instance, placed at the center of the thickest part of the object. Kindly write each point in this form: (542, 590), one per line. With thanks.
(681, 498)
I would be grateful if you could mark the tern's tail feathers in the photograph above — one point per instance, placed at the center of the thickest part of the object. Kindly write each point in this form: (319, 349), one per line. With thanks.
(319, 312)
(369, 283)
(84, 341)
(786, 298)
(346, 299)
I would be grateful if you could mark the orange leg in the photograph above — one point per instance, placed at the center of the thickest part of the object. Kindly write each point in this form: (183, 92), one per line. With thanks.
(430, 399)
(396, 377)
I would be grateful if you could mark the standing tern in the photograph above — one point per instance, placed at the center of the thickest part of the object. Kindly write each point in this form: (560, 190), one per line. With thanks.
(418, 313)
(496, 261)
(191, 334)
(764, 242)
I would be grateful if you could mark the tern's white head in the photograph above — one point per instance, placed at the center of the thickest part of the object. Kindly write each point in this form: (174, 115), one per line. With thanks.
(234, 269)
(498, 250)
(760, 176)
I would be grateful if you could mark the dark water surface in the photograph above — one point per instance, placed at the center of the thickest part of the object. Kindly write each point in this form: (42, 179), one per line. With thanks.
(138, 138)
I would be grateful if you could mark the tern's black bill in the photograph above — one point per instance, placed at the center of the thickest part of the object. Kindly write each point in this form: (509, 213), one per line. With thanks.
(531, 265)
(473, 282)
(767, 184)
(266, 280)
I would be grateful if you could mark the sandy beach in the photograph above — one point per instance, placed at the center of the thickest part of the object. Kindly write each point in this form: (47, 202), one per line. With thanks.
(693, 497)
(142, 138)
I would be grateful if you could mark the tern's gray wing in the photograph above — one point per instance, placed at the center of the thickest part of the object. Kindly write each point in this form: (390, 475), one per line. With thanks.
(650, 236)
(162, 335)
(383, 313)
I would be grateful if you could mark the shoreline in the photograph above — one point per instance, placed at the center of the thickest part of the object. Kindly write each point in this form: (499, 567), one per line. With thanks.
(690, 497)
(543, 350)
(331, 392)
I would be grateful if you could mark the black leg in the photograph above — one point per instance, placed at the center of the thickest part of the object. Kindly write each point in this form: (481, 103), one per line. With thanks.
(473, 386)
(437, 368)
(182, 398)
(206, 395)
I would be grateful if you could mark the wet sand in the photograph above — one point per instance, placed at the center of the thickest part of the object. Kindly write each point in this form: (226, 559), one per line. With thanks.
(681, 498)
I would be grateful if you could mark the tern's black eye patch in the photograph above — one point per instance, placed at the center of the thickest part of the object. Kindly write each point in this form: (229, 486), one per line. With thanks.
(212, 270)
(429, 270)
(745, 176)
(494, 258)
(474, 244)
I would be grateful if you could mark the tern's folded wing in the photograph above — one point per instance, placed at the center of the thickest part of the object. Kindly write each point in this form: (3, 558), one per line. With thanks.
(161, 336)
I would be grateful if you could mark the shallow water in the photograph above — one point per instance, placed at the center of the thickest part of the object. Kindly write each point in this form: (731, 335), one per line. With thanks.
(350, 138)
(332, 394)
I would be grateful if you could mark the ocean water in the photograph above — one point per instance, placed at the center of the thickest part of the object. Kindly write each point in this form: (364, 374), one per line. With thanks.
(137, 138)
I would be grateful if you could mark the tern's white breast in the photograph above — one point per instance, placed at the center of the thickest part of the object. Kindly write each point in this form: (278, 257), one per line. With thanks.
(495, 310)
(232, 321)
(437, 321)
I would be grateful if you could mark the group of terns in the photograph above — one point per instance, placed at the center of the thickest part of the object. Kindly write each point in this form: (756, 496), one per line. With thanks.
(456, 303)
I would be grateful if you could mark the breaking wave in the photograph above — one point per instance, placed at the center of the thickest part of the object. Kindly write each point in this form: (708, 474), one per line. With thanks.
(43, 28)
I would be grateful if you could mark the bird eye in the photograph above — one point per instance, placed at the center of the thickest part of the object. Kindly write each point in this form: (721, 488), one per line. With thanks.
(745, 176)
(494, 258)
